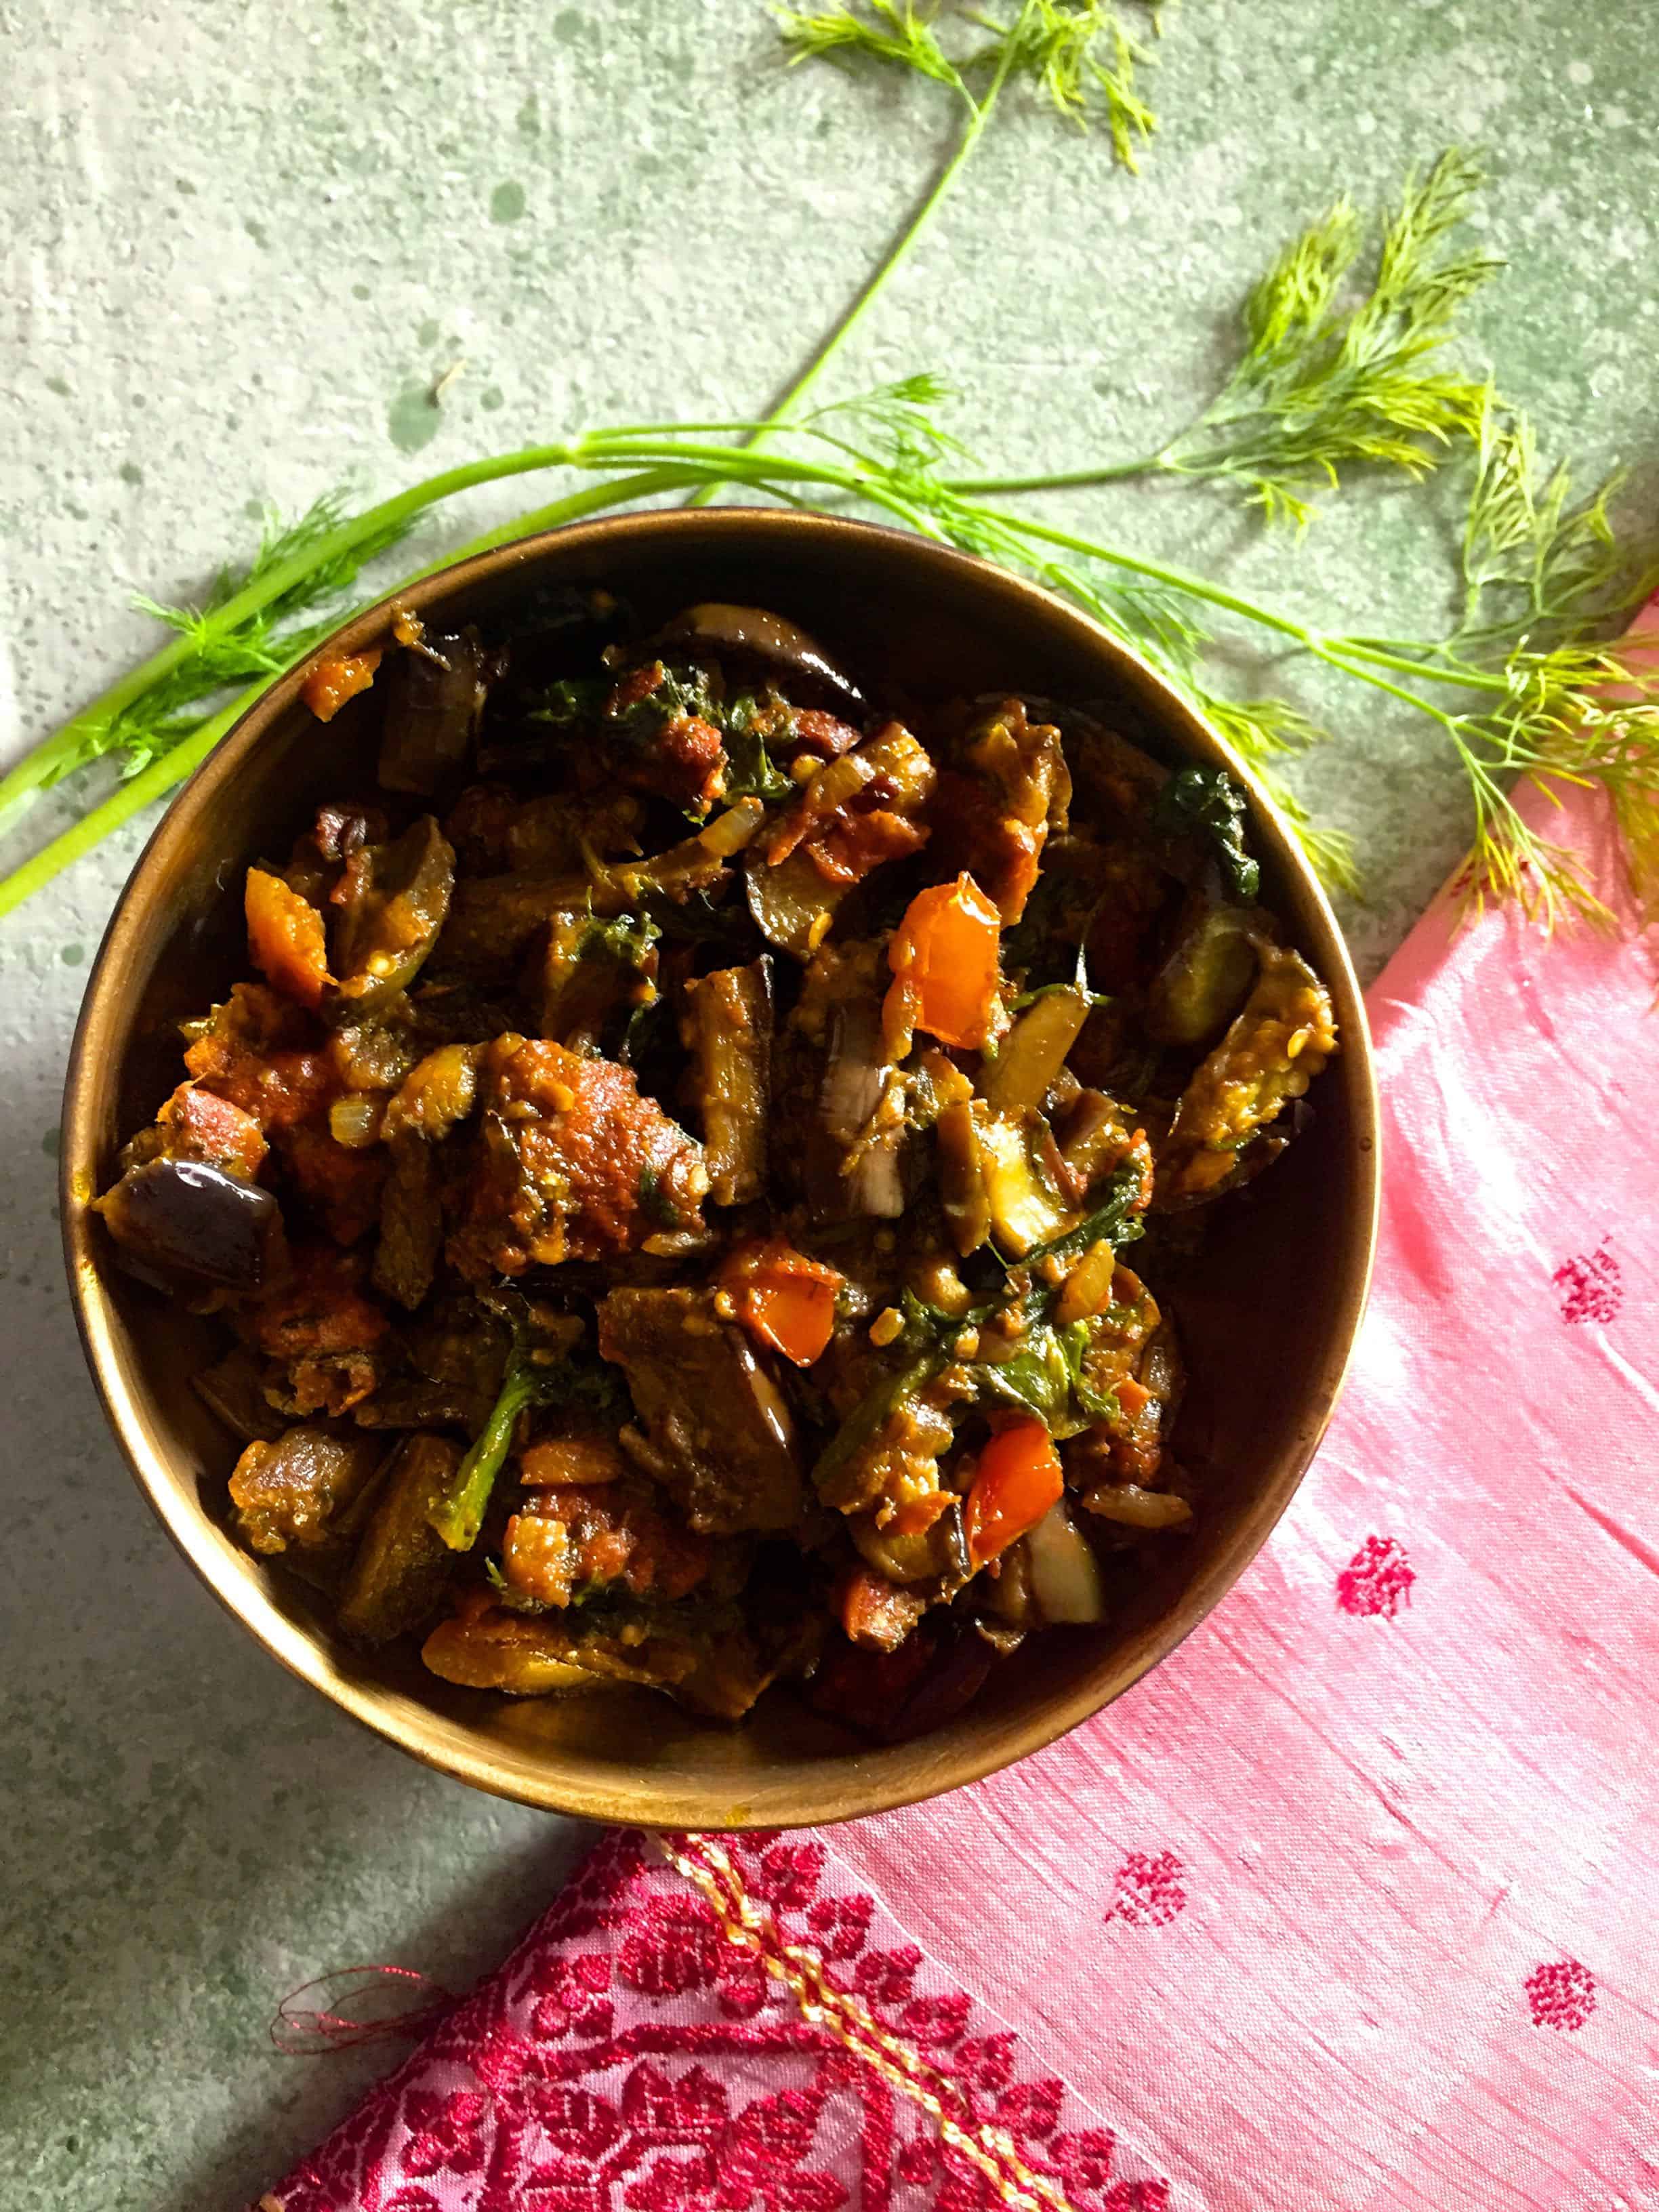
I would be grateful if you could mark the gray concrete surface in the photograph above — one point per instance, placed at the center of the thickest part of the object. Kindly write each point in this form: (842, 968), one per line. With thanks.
(238, 246)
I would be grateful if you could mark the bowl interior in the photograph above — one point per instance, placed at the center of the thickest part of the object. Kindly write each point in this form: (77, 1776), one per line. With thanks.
(1267, 1322)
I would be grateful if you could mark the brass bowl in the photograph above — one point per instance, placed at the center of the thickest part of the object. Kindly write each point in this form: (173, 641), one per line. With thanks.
(1267, 1333)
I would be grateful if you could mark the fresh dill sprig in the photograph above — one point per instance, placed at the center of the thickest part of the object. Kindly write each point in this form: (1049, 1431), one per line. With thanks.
(1332, 376)
(1531, 555)
(1077, 51)
(1079, 54)
(238, 635)
(1324, 387)
(896, 32)
(899, 422)
(1522, 686)
(1517, 711)
(1082, 55)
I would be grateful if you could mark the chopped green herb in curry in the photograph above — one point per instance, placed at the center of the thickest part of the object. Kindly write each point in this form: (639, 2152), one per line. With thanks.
(696, 1257)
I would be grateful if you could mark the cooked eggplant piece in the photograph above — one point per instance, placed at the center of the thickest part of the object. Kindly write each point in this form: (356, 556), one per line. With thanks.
(376, 1054)
(793, 903)
(394, 906)
(893, 1695)
(937, 1553)
(186, 1218)
(590, 971)
(440, 1092)
(411, 1224)
(1008, 790)
(728, 1032)
(413, 1402)
(305, 1489)
(1095, 1136)
(493, 918)
(889, 1445)
(1034, 1051)
(924, 1137)
(721, 1438)
(849, 1159)
(530, 1655)
(464, 1344)
(234, 1387)
(402, 1566)
(1206, 977)
(734, 1670)
(434, 695)
(510, 1652)
(964, 1189)
(751, 637)
(1026, 1207)
(1280, 1042)
(1118, 782)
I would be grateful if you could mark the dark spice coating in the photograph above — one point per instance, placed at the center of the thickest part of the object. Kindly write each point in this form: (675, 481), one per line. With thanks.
(668, 1188)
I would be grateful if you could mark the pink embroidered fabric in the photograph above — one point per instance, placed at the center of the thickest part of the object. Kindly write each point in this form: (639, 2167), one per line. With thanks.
(1352, 1903)
(627, 2055)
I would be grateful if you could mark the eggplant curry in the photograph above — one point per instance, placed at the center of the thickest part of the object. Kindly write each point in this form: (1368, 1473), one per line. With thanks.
(671, 1188)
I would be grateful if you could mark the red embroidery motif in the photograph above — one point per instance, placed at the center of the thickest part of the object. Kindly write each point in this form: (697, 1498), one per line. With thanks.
(840, 1924)
(447, 2138)
(1560, 1994)
(679, 1948)
(1148, 1894)
(1377, 1579)
(630, 2057)
(1590, 1285)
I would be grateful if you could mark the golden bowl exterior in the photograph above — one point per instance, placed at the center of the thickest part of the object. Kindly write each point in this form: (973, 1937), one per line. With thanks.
(1267, 1333)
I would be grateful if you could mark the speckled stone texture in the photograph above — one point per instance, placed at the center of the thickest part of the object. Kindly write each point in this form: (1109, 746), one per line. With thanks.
(239, 246)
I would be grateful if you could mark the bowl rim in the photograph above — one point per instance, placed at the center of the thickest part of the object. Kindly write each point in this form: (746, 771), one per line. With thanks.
(303, 1652)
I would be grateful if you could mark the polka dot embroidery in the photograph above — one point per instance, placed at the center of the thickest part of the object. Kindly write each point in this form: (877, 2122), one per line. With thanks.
(1560, 1994)
(1377, 1579)
(1148, 1894)
(1589, 1286)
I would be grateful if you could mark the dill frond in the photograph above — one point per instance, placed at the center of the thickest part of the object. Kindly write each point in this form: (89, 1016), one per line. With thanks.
(1080, 55)
(898, 423)
(1323, 386)
(1533, 559)
(1582, 716)
(227, 655)
(1083, 58)
(896, 32)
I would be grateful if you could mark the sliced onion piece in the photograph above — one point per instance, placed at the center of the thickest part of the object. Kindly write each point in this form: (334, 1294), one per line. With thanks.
(1065, 1576)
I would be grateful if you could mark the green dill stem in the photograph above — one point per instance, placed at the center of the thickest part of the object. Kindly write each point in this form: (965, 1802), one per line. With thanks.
(459, 1515)
(1458, 673)
(1157, 464)
(84, 733)
(574, 507)
(172, 766)
(1215, 595)
(150, 783)
(979, 114)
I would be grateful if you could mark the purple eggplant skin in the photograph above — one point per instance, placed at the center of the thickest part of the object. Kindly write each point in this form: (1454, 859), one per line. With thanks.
(435, 694)
(952, 1680)
(184, 1218)
(768, 642)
